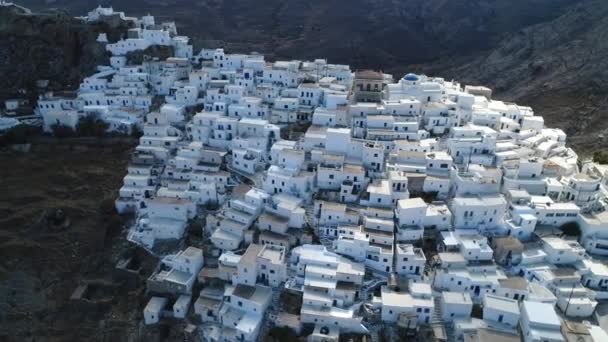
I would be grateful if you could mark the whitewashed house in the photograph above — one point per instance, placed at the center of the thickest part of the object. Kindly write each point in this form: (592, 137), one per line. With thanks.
(455, 305)
(539, 322)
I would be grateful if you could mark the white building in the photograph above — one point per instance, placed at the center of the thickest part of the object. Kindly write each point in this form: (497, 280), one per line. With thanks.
(539, 322)
(178, 272)
(501, 310)
(395, 304)
(243, 311)
(478, 212)
(455, 305)
(154, 309)
(261, 264)
(384, 164)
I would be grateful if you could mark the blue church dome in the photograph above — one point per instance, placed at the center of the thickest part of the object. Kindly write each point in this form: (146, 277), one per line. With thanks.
(410, 77)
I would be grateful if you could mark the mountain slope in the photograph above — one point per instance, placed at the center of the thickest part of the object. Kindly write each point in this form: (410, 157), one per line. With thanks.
(49, 46)
(558, 67)
(363, 33)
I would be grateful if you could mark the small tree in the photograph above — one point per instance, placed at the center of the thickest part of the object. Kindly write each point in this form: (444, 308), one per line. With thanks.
(19, 135)
(62, 131)
(600, 157)
(136, 132)
(280, 334)
(91, 126)
(571, 229)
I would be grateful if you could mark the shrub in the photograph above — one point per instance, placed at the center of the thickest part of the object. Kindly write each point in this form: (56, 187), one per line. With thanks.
(600, 157)
(571, 229)
(280, 334)
(136, 132)
(19, 135)
(62, 131)
(90, 126)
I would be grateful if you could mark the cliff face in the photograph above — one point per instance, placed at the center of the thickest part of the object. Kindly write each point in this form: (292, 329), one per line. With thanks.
(50, 46)
(558, 67)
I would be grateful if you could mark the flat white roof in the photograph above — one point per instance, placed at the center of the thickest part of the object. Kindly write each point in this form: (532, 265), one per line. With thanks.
(541, 313)
(456, 297)
(409, 203)
(501, 303)
(156, 304)
(484, 200)
(420, 288)
(391, 298)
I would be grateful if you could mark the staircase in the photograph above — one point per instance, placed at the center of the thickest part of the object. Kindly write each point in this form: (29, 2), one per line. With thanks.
(310, 216)
(256, 179)
(371, 286)
(374, 336)
(328, 243)
(436, 317)
(271, 313)
(275, 301)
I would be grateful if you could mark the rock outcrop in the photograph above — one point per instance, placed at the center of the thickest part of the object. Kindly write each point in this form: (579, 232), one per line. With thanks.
(51, 46)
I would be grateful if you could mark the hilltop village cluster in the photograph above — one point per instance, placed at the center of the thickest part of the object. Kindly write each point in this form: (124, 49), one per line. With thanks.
(384, 207)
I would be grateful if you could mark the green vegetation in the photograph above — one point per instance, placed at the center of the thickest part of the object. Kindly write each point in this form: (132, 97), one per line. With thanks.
(19, 135)
(88, 126)
(91, 126)
(571, 229)
(136, 132)
(600, 157)
(62, 131)
(281, 334)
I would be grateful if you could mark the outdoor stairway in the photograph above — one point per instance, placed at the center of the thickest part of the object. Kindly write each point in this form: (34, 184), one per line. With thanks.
(328, 243)
(374, 336)
(370, 286)
(271, 313)
(436, 317)
(275, 301)
(310, 216)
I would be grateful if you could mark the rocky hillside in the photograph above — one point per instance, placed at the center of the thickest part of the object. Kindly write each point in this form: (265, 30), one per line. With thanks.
(363, 33)
(558, 67)
(51, 46)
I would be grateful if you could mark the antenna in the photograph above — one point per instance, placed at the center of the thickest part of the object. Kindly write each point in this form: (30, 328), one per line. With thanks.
(569, 298)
